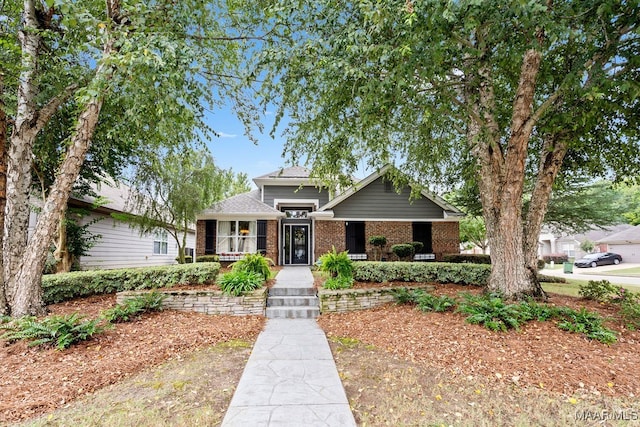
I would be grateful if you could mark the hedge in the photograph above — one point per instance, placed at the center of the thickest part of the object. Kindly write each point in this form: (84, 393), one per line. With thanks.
(467, 258)
(466, 274)
(65, 286)
(556, 258)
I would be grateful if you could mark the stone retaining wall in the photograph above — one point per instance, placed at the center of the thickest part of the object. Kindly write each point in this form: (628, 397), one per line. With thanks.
(209, 302)
(343, 300)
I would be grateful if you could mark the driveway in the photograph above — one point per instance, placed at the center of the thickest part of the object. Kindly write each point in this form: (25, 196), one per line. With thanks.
(598, 273)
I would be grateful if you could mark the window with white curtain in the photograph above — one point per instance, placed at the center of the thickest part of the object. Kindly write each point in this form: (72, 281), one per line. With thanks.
(160, 242)
(237, 236)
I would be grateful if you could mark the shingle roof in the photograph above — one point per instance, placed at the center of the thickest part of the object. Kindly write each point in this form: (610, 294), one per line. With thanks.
(290, 172)
(245, 203)
(630, 235)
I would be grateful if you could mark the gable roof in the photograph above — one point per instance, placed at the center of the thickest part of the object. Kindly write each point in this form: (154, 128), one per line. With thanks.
(290, 172)
(293, 175)
(247, 204)
(450, 209)
(597, 234)
(628, 236)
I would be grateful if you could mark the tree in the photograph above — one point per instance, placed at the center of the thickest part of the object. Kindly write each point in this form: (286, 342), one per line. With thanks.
(472, 230)
(504, 91)
(164, 61)
(169, 190)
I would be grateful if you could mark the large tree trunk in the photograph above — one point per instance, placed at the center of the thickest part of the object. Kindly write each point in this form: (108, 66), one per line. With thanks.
(4, 308)
(28, 298)
(501, 176)
(19, 158)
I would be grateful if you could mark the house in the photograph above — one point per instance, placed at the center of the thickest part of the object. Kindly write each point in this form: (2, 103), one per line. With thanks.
(626, 243)
(293, 221)
(121, 246)
(550, 243)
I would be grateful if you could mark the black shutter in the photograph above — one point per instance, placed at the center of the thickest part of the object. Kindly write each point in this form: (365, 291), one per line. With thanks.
(422, 233)
(262, 236)
(210, 237)
(354, 231)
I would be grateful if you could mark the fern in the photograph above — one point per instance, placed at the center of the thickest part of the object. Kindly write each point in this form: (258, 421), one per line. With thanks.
(58, 331)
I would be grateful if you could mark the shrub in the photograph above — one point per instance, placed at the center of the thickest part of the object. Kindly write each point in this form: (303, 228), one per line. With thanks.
(630, 311)
(378, 242)
(239, 282)
(428, 302)
(598, 290)
(65, 286)
(556, 258)
(403, 250)
(187, 259)
(467, 258)
(467, 274)
(551, 279)
(406, 296)
(587, 323)
(134, 307)
(255, 263)
(339, 282)
(417, 247)
(336, 264)
(207, 258)
(491, 312)
(58, 331)
(541, 264)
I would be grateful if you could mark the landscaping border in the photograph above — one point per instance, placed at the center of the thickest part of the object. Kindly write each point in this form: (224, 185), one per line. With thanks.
(208, 302)
(344, 300)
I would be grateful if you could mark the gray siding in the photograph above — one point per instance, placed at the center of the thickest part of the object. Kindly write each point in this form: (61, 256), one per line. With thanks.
(122, 246)
(374, 202)
(289, 192)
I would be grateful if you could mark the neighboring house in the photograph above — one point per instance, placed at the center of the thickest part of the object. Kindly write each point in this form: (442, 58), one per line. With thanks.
(122, 246)
(626, 243)
(292, 221)
(550, 243)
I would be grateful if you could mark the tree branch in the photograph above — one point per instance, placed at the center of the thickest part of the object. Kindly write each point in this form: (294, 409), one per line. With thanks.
(49, 109)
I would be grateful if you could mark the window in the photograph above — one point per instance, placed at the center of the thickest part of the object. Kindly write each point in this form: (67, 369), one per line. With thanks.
(569, 249)
(237, 236)
(355, 237)
(160, 242)
(422, 233)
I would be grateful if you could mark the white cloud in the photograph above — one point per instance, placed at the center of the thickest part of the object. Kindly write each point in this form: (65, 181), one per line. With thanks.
(226, 135)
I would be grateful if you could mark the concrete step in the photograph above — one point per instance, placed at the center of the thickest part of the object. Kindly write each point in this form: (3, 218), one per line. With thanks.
(292, 312)
(301, 292)
(292, 301)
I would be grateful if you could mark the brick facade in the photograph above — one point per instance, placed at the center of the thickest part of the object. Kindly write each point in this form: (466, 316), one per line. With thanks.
(272, 240)
(200, 236)
(445, 236)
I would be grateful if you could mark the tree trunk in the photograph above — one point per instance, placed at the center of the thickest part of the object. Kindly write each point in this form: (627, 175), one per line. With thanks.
(4, 308)
(501, 176)
(61, 254)
(27, 280)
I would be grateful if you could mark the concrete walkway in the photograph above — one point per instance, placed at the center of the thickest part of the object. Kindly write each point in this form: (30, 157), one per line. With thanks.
(291, 378)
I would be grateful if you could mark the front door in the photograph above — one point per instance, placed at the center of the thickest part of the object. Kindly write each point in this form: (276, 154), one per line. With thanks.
(296, 244)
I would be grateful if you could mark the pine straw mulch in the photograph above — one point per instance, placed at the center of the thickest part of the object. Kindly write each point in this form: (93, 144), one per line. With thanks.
(34, 381)
(538, 355)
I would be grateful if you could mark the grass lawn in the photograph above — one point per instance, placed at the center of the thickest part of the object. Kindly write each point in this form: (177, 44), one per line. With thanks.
(573, 286)
(627, 272)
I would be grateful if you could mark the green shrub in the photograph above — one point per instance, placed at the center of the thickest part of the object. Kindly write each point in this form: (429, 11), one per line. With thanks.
(187, 259)
(556, 258)
(541, 264)
(403, 250)
(630, 312)
(491, 312)
(405, 296)
(378, 242)
(551, 279)
(339, 282)
(467, 274)
(598, 290)
(587, 323)
(58, 331)
(428, 302)
(65, 286)
(134, 307)
(531, 310)
(207, 258)
(239, 282)
(417, 247)
(336, 264)
(256, 263)
(467, 258)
